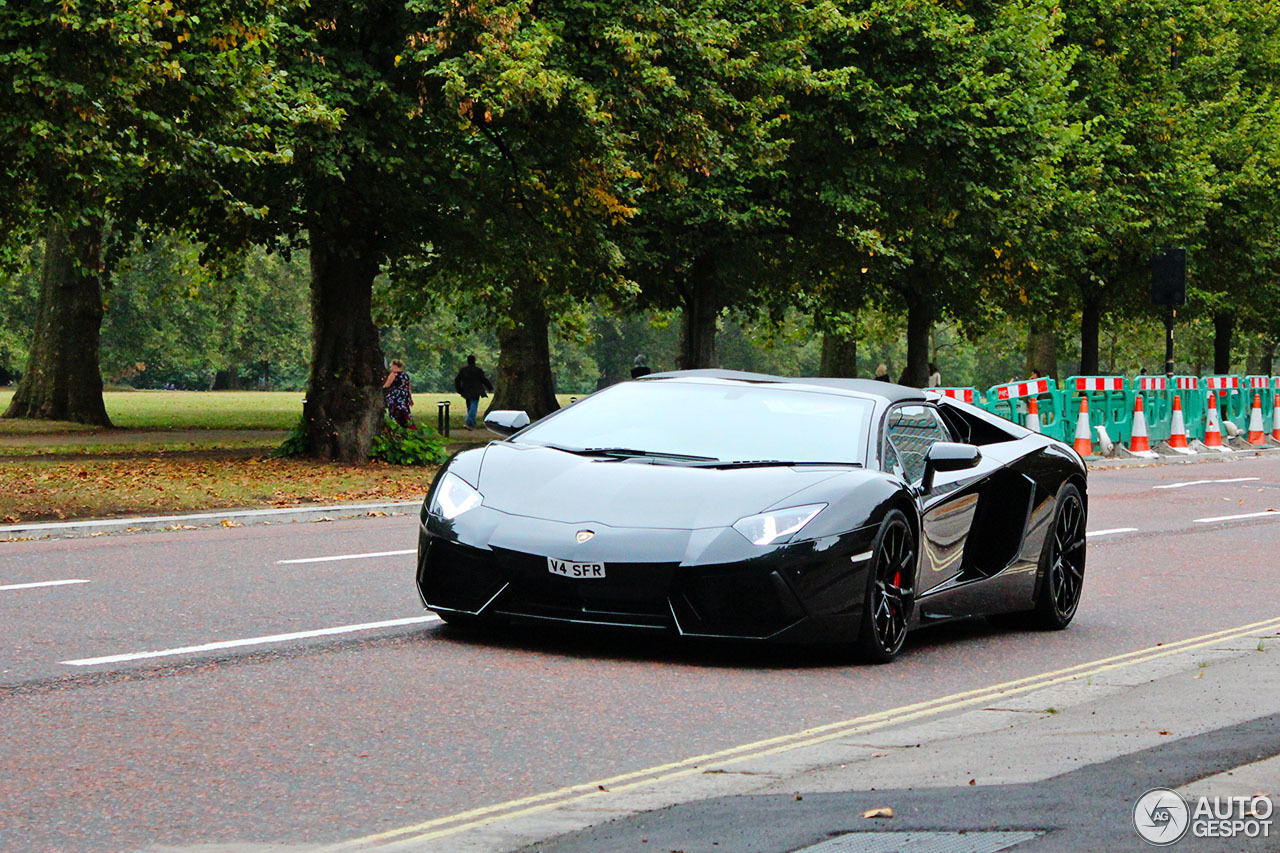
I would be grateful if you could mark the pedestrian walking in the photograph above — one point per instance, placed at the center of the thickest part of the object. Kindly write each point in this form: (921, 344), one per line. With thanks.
(882, 372)
(399, 394)
(641, 367)
(471, 384)
(935, 376)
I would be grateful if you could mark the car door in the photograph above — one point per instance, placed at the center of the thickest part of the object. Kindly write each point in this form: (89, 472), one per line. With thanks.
(947, 510)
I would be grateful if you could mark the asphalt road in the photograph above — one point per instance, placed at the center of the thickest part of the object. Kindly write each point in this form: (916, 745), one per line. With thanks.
(325, 737)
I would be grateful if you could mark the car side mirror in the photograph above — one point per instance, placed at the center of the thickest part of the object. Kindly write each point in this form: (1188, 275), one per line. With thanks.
(505, 422)
(948, 456)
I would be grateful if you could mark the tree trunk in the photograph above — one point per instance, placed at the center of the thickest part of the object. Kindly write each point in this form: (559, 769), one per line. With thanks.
(524, 379)
(839, 355)
(919, 323)
(63, 380)
(1090, 323)
(1224, 325)
(1042, 348)
(344, 404)
(700, 317)
(1267, 356)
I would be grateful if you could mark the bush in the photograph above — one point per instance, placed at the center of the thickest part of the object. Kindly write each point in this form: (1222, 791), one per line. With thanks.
(396, 445)
(295, 444)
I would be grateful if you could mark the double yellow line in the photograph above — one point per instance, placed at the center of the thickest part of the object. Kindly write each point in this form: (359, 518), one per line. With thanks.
(420, 833)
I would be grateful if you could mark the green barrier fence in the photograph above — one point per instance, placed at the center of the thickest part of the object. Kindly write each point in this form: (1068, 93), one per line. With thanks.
(1194, 401)
(1261, 387)
(1157, 405)
(1110, 403)
(1229, 394)
(1010, 401)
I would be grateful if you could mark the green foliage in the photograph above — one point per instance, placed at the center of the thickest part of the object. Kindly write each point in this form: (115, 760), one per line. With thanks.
(168, 323)
(296, 444)
(396, 445)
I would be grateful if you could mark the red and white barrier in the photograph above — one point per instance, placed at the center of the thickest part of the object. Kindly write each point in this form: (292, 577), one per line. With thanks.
(1099, 383)
(964, 395)
(1029, 388)
(1153, 383)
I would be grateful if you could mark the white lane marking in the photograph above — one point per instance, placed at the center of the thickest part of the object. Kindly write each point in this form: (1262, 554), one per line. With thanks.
(1262, 514)
(1203, 482)
(253, 641)
(347, 557)
(1108, 532)
(40, 583)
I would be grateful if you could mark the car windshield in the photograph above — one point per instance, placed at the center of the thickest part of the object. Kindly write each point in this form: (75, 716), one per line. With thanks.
(716, 422)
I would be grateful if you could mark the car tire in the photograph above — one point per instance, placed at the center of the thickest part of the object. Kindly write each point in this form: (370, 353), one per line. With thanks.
(1061, 563)
(886, 606)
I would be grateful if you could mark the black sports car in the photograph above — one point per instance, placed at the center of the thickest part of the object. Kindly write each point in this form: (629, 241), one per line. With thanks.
(721, 504)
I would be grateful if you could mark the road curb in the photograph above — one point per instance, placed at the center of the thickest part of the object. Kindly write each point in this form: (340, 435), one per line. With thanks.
(223, 518)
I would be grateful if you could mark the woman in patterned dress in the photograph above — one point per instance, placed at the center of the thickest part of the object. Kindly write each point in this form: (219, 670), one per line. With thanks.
(399, 394)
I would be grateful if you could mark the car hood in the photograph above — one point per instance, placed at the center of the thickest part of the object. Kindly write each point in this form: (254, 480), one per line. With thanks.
(550, 484)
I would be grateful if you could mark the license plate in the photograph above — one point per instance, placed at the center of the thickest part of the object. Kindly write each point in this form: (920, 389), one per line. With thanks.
(568, 569)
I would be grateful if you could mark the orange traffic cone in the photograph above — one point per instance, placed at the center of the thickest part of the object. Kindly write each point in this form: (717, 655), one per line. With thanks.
(1138, 442)
(1275, 420)
(1084, 435)
(1178, 429)
(1033, 415)
(1212, 430)
(1256, 435)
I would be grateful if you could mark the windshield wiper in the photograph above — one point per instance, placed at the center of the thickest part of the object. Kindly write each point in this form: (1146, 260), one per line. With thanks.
(773, 463)
(631, 453)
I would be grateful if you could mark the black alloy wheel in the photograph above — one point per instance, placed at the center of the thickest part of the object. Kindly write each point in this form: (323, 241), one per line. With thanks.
(1062, 562)
(887, 606)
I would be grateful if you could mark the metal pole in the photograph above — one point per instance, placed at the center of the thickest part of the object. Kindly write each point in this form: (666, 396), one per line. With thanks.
(1170, 314)
(442, 418)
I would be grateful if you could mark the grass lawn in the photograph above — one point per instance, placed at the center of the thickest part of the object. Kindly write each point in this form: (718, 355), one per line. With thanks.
(237, 410)
(185, 451)
(217, 410)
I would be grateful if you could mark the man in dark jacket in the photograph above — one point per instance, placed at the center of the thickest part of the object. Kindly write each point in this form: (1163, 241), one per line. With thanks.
(471, 384)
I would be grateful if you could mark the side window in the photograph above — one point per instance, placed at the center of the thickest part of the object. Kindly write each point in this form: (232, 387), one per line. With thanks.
(910, 432)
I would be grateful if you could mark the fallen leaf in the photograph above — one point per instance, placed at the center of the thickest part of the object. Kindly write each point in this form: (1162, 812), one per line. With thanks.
(602, 788)
(883, 811)
(1162, 732)
(973, 782)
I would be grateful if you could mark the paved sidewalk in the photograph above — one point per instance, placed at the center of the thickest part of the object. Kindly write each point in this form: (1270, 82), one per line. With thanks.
(1063, 766)
(224, 518)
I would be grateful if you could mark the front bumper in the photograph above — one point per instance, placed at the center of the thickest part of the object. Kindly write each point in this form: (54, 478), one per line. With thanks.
(807, 591)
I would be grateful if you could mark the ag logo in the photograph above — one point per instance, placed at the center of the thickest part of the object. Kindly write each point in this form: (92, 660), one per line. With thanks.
(584, 535)
(1161, 816)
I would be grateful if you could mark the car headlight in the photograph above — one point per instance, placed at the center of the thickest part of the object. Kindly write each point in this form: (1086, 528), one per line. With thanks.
(453, 497)
(778, 525)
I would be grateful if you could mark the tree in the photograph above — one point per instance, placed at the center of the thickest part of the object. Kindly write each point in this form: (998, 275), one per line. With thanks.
(926, 148)
(105, 108)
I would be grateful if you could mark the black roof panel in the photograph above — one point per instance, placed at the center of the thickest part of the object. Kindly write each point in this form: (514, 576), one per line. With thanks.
(889, 391)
